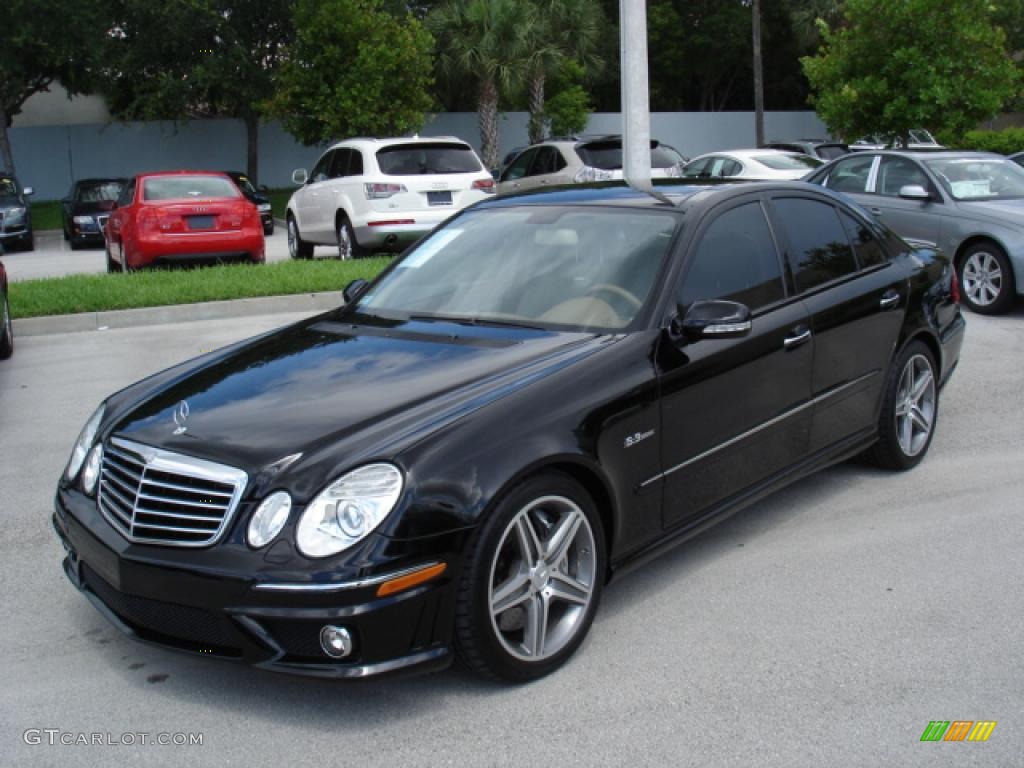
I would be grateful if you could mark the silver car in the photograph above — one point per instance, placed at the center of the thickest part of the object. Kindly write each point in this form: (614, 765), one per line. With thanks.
(969, 204)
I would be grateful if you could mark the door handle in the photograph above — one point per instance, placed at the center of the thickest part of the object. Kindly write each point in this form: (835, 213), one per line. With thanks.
(797, 337)
(890, 299)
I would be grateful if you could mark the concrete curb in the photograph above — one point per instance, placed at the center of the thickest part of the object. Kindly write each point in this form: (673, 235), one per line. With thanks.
(180, 313)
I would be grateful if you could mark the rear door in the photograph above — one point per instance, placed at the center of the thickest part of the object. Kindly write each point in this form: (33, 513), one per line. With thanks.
(734, 411)
(856, 299)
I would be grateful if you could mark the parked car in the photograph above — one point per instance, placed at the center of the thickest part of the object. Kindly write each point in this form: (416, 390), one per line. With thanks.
(580, 159)
(257, 196)
(6, 327)
(543, 392)
(761, 164)
(176, 217)
(917, 138)
(15, 214)
(86, 208)
(1018, 158)
(968, 204)
(819, 148)
(366, 195)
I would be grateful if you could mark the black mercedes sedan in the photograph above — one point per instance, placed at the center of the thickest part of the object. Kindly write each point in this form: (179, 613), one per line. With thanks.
(547, 390)
(257, 196)
(86, 208)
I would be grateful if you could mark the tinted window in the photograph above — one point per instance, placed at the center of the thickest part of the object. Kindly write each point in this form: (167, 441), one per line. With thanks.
(549, 160)
(97, 192)
(320, 170)
(788, 162)
(519, 166)
(414, 159)
(735, 260)
(355, 163)
(607, 155)
(696, 168)
(664, 156)
(851, 175)
(831, 151)
(820, 250)
(865, 245)
(127, 194)
(897, 172)
(339, 165)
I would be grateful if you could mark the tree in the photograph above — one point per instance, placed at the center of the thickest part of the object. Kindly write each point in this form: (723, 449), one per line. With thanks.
(42, 42)
(563, 30)
(354, 69)
(198, 59)
(487, 43)
(568, 110)
(895, 66)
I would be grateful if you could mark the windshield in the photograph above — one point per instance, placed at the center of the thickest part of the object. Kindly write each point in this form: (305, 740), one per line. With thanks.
(8, 188)
(581, 268)
(607, 155)
(414, 159)
(972, 178)
(97, 191)
(187, 187)
(787, 162)
(831, 151)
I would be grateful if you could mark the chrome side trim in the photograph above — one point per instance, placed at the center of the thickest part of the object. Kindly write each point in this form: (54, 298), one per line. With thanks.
(760, 428)
(339, 586)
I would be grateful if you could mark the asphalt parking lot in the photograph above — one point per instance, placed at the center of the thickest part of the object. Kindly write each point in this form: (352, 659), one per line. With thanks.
(53, 257)
(826, 626)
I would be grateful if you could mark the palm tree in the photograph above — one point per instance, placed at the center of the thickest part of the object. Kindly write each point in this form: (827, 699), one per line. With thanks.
(486, 42)
(564, 29)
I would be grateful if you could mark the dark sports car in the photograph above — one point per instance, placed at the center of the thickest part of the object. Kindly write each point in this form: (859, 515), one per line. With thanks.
(545, 391)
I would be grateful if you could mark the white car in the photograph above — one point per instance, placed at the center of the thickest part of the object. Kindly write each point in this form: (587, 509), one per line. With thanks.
(580, 159)
(751, 164)
(366, 195)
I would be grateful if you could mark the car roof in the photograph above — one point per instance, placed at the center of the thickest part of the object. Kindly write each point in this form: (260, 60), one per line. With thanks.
(370, 142)
(152, 174)
(937, 153)
(683, 195)
(746, 154)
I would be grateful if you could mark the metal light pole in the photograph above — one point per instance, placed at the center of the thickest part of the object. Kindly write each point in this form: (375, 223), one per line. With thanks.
(755, 11)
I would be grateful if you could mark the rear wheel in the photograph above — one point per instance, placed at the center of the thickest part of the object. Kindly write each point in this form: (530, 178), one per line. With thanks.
(297, 247)
(986, 279)
(348, 247)
(532, 582)
(910, 410)
(28, 242)
(6, 330)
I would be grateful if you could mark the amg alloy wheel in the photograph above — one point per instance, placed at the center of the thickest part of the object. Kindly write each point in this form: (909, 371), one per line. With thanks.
(987, 279)
(533, 582)
(909, 411)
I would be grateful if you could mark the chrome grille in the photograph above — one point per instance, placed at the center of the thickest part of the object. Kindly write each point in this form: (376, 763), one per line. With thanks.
(158, 497)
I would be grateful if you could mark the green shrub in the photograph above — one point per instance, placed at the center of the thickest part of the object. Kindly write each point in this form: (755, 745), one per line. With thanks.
(1005, 142)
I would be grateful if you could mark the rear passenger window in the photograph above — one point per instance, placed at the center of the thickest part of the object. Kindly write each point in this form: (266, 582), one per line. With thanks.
(819, 248)
(851, 175)
(355, 163)
(865, 245)
(735, 260)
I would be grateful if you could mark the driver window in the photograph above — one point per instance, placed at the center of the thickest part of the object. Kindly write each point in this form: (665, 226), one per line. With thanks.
(320, 169)
(519, 166)
(898, 172)
(735, 260)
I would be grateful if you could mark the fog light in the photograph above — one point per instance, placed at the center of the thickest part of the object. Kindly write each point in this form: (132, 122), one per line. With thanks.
(336, 641)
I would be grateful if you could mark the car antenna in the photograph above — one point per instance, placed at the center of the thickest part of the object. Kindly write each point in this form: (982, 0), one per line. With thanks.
(636, 111)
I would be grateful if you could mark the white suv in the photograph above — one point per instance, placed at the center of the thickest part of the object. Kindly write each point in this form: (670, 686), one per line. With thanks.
(366, 195)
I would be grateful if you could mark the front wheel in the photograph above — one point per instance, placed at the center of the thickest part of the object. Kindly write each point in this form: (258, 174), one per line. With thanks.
(986, 278)
(532, 582)
(297, 247)
(910, 410)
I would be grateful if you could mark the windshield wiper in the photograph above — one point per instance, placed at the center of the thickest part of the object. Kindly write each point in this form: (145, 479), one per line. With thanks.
(476, 321)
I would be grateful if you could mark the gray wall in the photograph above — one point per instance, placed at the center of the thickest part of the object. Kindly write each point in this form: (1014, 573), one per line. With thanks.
(49, 157)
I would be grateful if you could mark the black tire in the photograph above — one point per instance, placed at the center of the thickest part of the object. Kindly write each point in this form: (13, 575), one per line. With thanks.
(977, 270)
(348, 246)
(297, 247)
(6, 330)
(479, 644)
(889, 452)
(28, 242)
(76, 245)
(268, 228)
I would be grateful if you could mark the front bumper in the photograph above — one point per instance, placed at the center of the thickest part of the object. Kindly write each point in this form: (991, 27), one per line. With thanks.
(222, 612)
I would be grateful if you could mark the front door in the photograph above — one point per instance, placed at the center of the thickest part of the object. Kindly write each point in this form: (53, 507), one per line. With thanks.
(734, 411)
(918, 220)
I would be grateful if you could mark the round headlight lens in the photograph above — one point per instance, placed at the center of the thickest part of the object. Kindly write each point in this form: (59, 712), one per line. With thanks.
(84, 443)
(269, 518)
(91, 472)
(348, 510)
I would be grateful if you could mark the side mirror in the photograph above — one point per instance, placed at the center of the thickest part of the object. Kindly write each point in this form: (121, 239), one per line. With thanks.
(28, 191)
(299, 176)
(914, 192)
(354, 289)
(717, 319)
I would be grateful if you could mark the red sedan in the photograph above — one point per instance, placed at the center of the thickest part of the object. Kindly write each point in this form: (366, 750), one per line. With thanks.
(182, 216)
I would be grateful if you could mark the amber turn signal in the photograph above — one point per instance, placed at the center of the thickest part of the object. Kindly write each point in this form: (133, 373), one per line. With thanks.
(411, 579)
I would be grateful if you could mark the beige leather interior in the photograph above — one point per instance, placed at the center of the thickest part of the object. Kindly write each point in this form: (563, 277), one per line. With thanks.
(583, 311)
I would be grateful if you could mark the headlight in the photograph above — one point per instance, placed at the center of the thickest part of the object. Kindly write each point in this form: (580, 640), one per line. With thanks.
(84, 443)
(15, 215)
(264, 207)
(91, 472)
(348, 509)
(269, 518)
(83, 220)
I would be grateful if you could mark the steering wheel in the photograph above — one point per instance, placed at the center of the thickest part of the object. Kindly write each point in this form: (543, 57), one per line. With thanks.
(616, 290)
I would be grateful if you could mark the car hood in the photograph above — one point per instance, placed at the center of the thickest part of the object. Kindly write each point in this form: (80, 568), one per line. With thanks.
(327, 385)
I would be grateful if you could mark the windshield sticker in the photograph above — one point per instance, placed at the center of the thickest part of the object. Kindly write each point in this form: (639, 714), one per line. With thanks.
(429, 249)
(971, 188)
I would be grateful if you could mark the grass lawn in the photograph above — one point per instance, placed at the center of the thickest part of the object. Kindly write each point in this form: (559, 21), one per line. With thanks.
(46, 214)
(155, 288)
